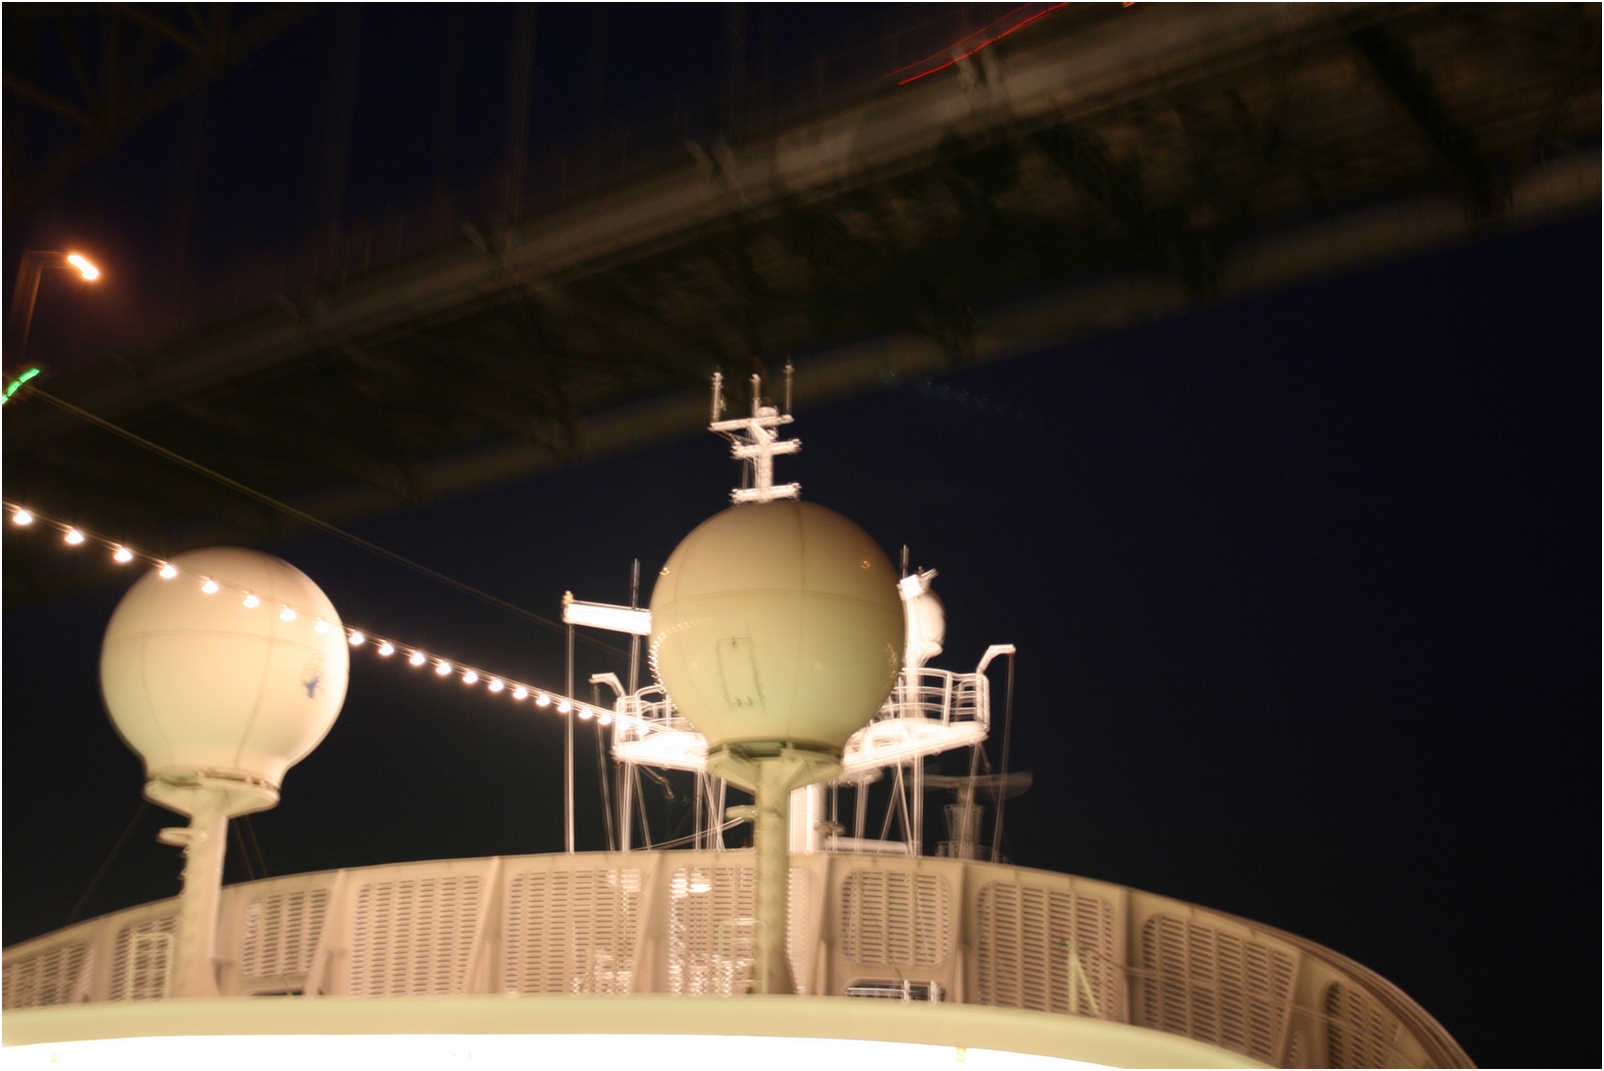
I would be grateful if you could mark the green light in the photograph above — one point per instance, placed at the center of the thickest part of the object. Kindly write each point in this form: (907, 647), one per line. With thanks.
(18, 382)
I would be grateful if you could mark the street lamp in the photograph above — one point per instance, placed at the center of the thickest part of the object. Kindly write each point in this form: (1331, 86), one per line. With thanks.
(34, 263)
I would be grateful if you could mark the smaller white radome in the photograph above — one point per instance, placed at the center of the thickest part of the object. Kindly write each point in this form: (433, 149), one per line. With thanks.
(207, 687)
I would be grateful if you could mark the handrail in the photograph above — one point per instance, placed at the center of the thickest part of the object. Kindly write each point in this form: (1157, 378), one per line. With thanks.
(44, 967)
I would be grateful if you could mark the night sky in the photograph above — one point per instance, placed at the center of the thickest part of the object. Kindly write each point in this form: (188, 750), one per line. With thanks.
(1305, 589)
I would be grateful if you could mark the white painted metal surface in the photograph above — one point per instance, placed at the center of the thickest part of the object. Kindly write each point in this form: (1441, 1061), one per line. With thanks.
(196, 683)
(621, 925)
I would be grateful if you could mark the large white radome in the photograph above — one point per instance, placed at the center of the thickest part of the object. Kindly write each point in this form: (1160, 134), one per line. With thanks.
(777, 623)
(202, 685)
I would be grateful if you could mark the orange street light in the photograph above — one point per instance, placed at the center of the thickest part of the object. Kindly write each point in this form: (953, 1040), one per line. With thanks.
(33, 265)
(85, 268)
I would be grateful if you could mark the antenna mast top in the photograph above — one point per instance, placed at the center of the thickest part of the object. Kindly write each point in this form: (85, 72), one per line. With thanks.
(754, 440)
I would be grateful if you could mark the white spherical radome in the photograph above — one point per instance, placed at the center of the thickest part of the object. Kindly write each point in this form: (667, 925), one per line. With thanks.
(777, 623)
(201, 684)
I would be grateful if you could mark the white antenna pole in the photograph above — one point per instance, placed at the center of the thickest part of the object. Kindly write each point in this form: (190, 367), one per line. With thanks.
(204, 841)
(568, 750)
(755, 440)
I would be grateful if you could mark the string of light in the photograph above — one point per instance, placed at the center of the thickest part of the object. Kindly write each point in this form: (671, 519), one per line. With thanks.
(383, 646)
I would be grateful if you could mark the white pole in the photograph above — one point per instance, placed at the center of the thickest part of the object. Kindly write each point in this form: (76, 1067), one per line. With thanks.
(194, 974)
(917, 833)
(769, 838)
(626, 820)
(568, 754)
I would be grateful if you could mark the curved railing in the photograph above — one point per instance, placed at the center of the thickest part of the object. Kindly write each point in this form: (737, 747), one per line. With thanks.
(679, 922)
(928, 711)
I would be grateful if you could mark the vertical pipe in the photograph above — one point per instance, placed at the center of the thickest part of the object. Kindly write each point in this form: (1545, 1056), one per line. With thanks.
(1002, 783)
(769, 838)
(626, 821)
(568, 753)
(967, 835)
(807, 811)
(193, 972)
(696, 820)
(634, 638)
(916, 835)
(718, 821)
(860, 800)
(640, 808)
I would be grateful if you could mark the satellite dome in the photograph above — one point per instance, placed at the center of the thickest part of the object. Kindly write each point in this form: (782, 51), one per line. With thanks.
(223, 686)
(777, 623)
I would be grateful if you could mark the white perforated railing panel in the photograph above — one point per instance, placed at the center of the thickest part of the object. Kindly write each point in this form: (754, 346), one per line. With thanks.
(710, 927)
(140, 969)
(413, 935)
(51, 976)
(571, 931)
(1024, 957)
(891, 918)
(1359, 1032)
(1215, 986)
(281, 933)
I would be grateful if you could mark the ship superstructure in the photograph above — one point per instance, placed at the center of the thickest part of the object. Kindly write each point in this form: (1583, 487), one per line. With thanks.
(887, 953)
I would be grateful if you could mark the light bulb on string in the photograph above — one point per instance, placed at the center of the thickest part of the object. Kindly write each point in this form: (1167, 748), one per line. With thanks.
(166, 570)
(605, 719)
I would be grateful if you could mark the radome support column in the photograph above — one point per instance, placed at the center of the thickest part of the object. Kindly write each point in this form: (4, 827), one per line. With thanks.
(771, 839)
(205, 840)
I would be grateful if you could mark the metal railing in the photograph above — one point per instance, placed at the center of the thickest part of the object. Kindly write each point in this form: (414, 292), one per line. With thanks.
(1327, 1010)
(938, 695)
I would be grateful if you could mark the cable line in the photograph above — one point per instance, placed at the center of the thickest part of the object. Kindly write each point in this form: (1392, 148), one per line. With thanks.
(303, 516)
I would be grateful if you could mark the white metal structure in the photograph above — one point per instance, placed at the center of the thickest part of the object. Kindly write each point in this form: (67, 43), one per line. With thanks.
(219, 702)
(1067, 952)
(881, 953)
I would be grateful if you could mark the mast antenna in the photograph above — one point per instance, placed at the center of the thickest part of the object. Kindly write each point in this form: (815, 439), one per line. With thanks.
(755, 441)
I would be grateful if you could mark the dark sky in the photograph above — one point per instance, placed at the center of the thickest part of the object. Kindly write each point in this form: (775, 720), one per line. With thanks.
(1305, 587)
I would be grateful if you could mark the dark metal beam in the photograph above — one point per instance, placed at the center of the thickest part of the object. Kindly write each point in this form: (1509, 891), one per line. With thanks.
(130, 114)
(133, 12)
(49, 101)
(1394, 66)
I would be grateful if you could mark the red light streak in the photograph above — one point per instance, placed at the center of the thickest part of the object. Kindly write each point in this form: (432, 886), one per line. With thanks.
(989, 41)
(973, 33)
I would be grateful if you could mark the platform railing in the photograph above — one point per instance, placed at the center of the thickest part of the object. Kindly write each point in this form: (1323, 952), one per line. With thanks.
(936, 695)
(621, 923)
